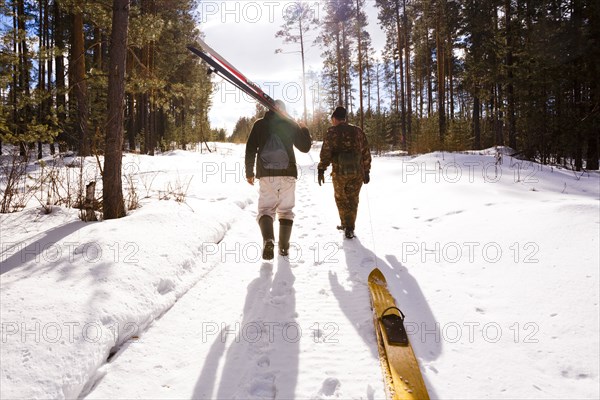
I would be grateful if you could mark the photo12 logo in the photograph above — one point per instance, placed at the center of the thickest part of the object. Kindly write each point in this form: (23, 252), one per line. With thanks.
(255, 12)
(251, 252)
(471, 252)
(67, 332)
(57, 252)
(288, 92)
(471, 331)
(269, 332)
(468, 171)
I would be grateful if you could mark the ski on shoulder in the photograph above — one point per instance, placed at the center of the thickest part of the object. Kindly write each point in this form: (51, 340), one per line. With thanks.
(219, 65)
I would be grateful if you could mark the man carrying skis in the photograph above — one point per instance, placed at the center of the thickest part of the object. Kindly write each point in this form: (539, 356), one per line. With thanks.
(271, 143)
(345, 146)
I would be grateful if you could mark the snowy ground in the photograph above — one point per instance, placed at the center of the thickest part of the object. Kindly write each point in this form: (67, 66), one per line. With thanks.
(495, 265)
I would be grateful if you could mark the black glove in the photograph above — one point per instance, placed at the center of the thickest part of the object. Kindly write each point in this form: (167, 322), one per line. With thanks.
(321, 177)
(367, 178)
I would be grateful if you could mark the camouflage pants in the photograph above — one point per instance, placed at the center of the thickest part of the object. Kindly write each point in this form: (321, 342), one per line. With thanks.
(346, 189)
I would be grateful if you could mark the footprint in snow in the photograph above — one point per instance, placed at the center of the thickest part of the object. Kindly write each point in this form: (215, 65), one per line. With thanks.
(455, 212)
(278, 300)
(26, 354)
(264, 387)
(263, 362)
(330, 387)
(165, 286)
(317, 334)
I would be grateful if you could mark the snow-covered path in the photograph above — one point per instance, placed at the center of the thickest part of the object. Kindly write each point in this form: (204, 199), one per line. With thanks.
(496, 266)
(248, 327)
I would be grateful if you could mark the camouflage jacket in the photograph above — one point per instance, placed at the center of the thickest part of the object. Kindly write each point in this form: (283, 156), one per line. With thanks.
(346, 147)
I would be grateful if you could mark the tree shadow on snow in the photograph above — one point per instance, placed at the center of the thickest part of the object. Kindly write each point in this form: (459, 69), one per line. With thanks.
(43, 252)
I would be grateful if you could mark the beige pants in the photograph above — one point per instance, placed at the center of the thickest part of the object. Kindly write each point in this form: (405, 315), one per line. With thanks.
(277, 195)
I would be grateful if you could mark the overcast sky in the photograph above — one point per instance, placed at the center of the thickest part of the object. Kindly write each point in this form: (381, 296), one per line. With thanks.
(244, 33)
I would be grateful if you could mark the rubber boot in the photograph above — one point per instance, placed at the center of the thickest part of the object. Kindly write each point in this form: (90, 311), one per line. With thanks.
(266, 228)
(349, 228)
(349, 233)
(285, 232)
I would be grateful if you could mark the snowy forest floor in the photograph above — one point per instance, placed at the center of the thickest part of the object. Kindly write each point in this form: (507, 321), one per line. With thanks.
(496, 266)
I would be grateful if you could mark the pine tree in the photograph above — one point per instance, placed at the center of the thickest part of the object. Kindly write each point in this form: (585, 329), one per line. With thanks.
(113, 204)
(299, 19)
(336, 41)
(79, 85)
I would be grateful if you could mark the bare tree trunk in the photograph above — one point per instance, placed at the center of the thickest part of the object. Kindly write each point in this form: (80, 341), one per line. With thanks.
(499, 123)
(429, 72)
(131, 123)
(80, 84)
(441, 80)
(24, 113)
(407, 74)
(339, 66)
(345, 69)
(360, 69)
(378, 93)
(15, 77)
(476, 126)
(59, 60)
(113, 203)
(594, 95)
(449, 69)
(49, 67)
(303, 70)
(510, 97)
(41, 72)
(369, 81)
(398, 53)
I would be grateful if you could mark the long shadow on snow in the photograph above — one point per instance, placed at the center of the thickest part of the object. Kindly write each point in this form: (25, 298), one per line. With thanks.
(36, 251)
(207, 379)
(409, 298)
(426, 337)
(263, 354)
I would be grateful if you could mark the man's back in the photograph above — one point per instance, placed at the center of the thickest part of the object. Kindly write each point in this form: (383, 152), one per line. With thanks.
(345, 146)
(287, 132)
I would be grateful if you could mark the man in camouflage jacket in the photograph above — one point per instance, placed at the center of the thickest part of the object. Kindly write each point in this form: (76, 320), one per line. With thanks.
(345, 146)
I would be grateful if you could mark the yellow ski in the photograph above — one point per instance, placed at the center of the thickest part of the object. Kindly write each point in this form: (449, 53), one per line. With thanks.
(402, 376)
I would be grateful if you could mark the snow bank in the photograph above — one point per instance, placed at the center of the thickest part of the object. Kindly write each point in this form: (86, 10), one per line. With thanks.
(495, 264)
(73, 292)
(493, 260)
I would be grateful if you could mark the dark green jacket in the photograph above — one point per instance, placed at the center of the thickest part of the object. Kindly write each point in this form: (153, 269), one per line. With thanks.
(290, 134)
